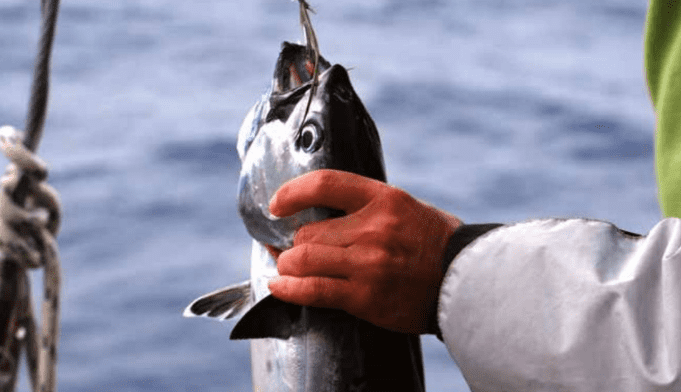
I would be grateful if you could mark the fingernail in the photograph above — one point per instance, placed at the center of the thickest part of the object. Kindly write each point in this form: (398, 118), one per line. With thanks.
(273, 282)
(266, 211)
(273, 200)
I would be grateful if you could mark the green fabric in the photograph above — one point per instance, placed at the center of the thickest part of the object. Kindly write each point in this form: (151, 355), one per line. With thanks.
(663, 70)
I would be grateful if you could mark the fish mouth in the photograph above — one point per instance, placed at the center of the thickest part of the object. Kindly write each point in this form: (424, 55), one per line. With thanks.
(295, 68)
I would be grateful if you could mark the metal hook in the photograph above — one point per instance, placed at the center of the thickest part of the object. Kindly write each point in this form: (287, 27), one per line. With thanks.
(313, 47)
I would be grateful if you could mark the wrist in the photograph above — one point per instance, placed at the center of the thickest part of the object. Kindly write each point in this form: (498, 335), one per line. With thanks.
(462, 236)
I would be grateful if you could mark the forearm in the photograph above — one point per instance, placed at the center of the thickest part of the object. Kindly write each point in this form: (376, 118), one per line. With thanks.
(573, 304)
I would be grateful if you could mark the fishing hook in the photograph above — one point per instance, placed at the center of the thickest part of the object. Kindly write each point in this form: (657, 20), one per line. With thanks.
(312, 47)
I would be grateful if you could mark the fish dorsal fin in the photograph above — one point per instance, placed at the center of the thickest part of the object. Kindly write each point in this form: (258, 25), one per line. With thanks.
(222, 304)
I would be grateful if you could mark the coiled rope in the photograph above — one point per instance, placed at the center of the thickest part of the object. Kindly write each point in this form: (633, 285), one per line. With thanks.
(29, 221)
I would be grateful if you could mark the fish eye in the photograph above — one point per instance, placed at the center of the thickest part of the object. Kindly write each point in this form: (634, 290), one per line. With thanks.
(308, 138)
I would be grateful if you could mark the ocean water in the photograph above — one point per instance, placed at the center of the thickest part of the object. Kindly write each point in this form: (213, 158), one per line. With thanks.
(496, 110)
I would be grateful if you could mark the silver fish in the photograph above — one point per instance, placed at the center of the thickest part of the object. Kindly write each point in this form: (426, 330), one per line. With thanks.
(298, 348)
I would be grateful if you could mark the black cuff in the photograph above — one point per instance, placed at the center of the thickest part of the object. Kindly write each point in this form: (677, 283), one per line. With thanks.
(463, 236)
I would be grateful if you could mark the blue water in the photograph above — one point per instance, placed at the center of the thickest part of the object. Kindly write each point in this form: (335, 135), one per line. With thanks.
(496, 110)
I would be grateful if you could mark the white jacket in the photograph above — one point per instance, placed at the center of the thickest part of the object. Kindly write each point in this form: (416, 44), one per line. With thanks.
(566, 305)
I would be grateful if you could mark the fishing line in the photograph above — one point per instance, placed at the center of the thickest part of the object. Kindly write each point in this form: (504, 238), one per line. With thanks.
(312, 46)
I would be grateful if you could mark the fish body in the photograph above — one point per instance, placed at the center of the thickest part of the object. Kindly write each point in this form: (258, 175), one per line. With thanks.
(296, 348)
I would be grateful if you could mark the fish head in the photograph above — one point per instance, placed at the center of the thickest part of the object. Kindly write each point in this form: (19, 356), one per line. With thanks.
(278, 142)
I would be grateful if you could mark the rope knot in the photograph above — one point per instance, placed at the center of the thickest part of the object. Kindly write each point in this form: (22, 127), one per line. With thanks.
(24, 229)
(27, 238)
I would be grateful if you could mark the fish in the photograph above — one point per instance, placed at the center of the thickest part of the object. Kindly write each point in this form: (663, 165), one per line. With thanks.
(296, 128)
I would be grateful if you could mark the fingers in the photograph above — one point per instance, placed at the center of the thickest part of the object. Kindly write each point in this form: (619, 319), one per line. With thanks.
(311, 291)
(316, 260)
(342, 231)
(324, 188)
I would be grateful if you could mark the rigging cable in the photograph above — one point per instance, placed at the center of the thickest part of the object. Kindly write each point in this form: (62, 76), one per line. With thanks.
(30, 219)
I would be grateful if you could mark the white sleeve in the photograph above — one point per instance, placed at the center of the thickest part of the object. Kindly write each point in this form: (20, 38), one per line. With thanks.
(566, 305)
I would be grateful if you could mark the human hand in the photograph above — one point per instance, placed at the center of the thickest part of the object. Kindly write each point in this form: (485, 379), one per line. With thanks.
(382, 262)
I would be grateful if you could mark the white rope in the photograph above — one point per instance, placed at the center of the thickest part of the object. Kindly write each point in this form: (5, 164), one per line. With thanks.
(27, 237)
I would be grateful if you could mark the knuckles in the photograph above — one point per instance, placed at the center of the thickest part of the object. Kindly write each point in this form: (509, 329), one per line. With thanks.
(320, 180)
(305, 234)
(303, 260)
(379, 260)
(322, 293)
(397, 200)
(388, 218)
(294, 261)
(316, 292)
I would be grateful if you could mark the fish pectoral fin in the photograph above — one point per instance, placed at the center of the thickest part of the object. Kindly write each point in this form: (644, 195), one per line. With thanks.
(269, 318)
(222, 304)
